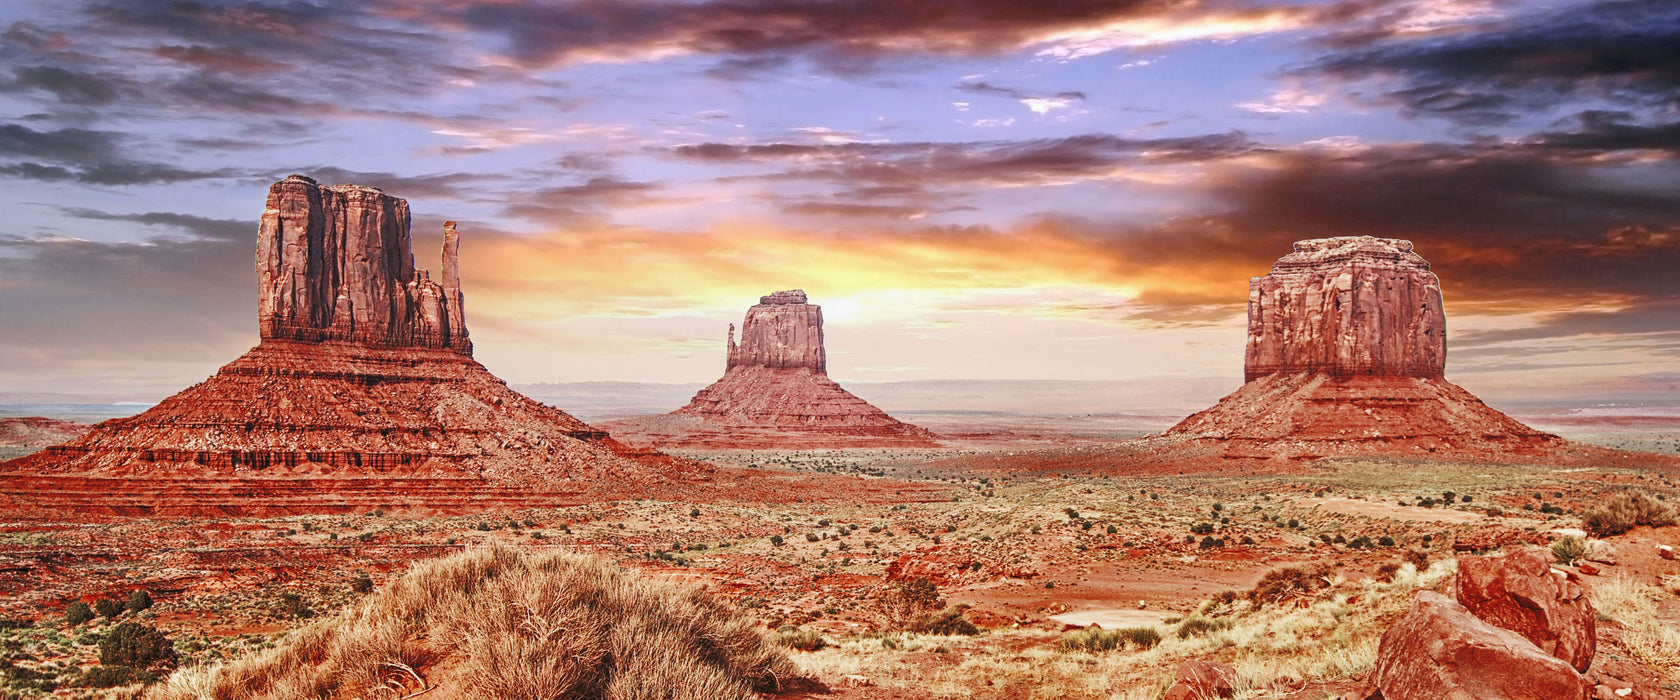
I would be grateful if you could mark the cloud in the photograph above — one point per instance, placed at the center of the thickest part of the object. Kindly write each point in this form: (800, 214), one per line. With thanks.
(85, 156)
(193, 225)
(1038, 102)
(999, 163)
(849, 36)
(70, 87)
(1620, 50)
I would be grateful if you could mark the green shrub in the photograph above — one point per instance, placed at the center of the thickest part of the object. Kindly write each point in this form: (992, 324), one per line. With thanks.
(136, 645)
(138, 600)
(803, 640)
(1094, 640)
(1623, 512)
(361, 584)
(294, 606)
(776, 540)
(1569, 549)
(1196, 626)
(78, 613)
(948, 622)
(107, 607)
(113, 676)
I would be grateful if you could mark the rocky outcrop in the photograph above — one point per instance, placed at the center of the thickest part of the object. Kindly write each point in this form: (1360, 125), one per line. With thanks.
(1520, 592)
(362, 394)
(1203, 680)
(775, 392)
(1440, 651)
(782, 331)
(1346, 347)
(1346, 307)
(334, 263)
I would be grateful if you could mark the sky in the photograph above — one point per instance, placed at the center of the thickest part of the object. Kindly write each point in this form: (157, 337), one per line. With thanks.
(974, 189)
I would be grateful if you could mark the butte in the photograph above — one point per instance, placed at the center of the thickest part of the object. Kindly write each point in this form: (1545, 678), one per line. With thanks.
(1345, 358)
(775, 394)
(362, 394)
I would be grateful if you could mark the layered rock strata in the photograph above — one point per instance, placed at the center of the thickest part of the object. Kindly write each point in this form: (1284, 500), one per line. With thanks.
(335, 263)
(775, 392)
(1345, 354)
(361, 394)
(1348, 307)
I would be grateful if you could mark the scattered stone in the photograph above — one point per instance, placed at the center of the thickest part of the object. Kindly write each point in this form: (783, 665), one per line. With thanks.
(1665, 551)
(1520, 592)
(1589, 568)
(1203, 680)
(1601, 552)
(1441, 651)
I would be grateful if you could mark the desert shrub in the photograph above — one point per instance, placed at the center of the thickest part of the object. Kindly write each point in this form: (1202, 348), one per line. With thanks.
(1623, 512)
(294, 606)
(910, 599)
(135, 645)
(1360, 542)
(113, 676)
(1386, 572)
(1196, 626)
(517, 625)
(107, 607)
(361, 584)
(1418, 557)
(15, 623)
(1211, 543)
(137, 601)
(1095, 640)
(776, 540)
(1385, 541)
(811, 537)
(803, 640)
(1287, 583)
(1202, 528)
(948, 622)
(1569, 549)
(77, 613)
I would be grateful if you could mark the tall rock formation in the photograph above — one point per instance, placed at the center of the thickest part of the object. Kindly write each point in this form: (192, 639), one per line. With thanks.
(1346, 351)
(362, 394)
(1353, 306)
(775, 393)
(334, 263)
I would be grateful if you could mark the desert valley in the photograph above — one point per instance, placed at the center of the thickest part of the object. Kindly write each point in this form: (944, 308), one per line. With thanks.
(1292, 541)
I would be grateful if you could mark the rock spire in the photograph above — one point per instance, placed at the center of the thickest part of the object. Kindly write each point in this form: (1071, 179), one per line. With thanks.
(335, 263)
(781, 331)
(1347, 306)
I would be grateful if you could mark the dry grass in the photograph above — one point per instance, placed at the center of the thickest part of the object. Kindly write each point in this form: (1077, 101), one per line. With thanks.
(1323, 638)
(1644, 635)
(496, 623)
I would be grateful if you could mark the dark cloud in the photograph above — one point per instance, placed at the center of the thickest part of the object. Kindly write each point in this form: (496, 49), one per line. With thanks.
(70, 87)
(840, 36)
(1658, 319)
(1626, 51)
(1020, 162)
(848, 209)
(196, 226)
(1599, 132)
(441, 186)
(985, 88)
(85, 156)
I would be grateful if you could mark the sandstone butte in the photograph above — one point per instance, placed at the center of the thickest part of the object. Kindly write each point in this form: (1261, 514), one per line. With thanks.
(775, 393)
(1347, 346)
(362, 393)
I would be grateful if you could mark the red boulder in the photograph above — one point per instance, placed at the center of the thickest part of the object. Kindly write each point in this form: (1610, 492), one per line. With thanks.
(1203, 680)
(1440, 651)
(1521, 593)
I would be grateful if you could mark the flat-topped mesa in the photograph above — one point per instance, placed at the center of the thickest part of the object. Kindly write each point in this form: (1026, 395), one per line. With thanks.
(1347, 306)
(336, 263)
(782, 331)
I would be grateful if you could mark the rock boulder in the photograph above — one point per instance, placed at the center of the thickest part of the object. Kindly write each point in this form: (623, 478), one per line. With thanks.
(1520, 592)
(1440, 651)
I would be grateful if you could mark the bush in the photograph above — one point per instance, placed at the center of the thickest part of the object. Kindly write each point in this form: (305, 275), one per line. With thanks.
(1094, 639)
(911, 599)
(1283, 584)
(108, 608)
(803, 640)
(1623, 512)
(294, 606)
(138, 600)
(1202, 528)
(77, 613)
(361, 584)
(135, 645)
(776, 540)
(1386, 572)
(1569, 549)
(1196, 626)
(948, 622)
(113, 676)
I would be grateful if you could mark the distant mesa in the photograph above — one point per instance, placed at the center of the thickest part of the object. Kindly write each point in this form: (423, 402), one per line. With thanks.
(362, 393)
(775, 392)
(1346, 353)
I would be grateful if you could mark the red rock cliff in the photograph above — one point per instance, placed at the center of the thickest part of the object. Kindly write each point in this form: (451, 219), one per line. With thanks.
(782, 331)
(1348, 306)
(334, 263)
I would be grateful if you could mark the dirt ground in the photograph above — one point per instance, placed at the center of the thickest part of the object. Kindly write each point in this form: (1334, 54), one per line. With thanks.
(1030, 555)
